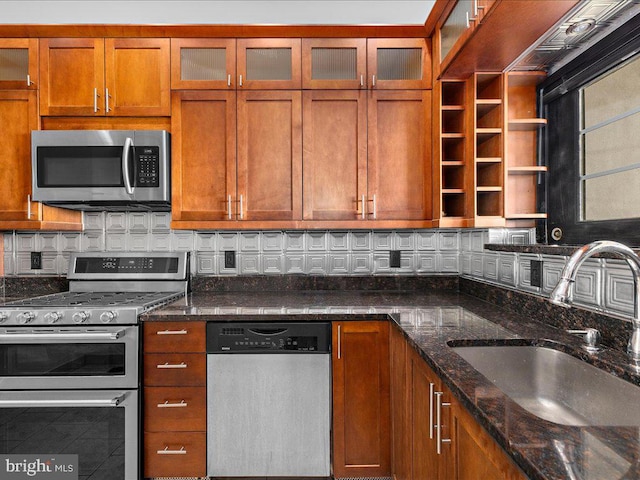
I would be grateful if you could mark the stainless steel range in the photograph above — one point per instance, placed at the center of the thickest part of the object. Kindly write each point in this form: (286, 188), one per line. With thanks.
(69, 362)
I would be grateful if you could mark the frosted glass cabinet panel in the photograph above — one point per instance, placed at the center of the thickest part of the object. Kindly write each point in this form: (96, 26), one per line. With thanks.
(18, 63)
(272, 63)
(334, 63)
(399, 63)
(203, 63)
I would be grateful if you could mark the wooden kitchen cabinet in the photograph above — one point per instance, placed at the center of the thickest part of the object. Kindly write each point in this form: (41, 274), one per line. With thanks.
(269, 64)
(497, 33)
(18, 116)
(203, 156)
(467, 451)
(477, 455)
(19, 64)
(238, 158)
(203, 63)
(399, 155)
(335, 154)
(358, 63)
(97, 77)
(361, 399)
(175, 399)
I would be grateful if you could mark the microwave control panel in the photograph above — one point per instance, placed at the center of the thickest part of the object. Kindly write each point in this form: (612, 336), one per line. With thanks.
(147, 166)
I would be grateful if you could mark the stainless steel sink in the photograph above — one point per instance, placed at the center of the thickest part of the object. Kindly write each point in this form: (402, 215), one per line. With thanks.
(556, 386)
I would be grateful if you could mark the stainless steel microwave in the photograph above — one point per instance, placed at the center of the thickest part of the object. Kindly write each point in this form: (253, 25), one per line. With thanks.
(102, 169)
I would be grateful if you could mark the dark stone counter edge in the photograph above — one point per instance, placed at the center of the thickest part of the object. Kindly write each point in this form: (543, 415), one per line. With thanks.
(543, 249)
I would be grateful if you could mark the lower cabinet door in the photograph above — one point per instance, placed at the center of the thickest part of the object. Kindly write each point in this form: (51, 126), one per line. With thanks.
(175, 454)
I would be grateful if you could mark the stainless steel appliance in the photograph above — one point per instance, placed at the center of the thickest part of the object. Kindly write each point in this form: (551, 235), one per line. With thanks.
(102, 169)
(268, 399)
(69, 362)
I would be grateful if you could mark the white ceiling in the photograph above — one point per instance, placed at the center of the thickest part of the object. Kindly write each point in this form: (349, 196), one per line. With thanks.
(234, 12)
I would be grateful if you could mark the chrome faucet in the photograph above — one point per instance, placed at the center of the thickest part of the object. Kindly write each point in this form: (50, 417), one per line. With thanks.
(563, 292)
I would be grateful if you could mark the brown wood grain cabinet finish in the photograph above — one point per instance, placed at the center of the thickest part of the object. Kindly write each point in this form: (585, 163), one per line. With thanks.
(335, 154)
(203, 161)
(245, 80)
(177, 409)
(399, 166)
(400, 412)
(97, 77)
(269, 155)
(162, 457)
(361, 399)
(175, 369)
(229, 78)
(169, 337)
(18, 116)
(31, 79)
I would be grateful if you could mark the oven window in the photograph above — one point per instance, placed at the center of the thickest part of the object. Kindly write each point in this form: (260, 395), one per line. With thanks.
(96, 435)
(83, 359)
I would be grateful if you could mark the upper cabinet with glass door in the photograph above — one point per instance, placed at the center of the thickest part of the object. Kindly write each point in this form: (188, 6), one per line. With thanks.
(354, 63)
(269, 64)
(203, 64)
(19, 63)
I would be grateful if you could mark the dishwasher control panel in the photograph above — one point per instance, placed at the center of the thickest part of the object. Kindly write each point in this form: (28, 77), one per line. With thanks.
(268, 337)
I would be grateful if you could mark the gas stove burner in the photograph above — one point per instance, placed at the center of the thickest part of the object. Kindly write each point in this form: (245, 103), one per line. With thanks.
(141, 284)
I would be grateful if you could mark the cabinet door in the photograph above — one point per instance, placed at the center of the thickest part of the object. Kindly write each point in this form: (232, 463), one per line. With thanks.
(72, 76)
(269, 64)
(18, 116)
(19, 63)
(423, 384)
(137, 76)
(269, 155)
(334, 63)
(477, 454)
(203, 63)
(399, 63)
(335, 154)
(203, 169)
(361, 410)
(400, 411)
(399, 177)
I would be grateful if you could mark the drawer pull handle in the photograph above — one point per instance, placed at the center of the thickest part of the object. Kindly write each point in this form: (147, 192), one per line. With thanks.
(171, 332)
(172, 365)
(166, 451)
(166, 404)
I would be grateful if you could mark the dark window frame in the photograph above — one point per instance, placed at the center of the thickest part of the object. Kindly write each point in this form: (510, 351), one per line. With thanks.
(560, 104)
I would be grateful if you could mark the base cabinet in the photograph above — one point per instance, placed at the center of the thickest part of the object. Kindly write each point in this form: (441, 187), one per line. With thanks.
(175, 399)
(361, 407)
(439, 439)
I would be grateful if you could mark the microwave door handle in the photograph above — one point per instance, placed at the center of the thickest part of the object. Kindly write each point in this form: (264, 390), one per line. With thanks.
(128, 143)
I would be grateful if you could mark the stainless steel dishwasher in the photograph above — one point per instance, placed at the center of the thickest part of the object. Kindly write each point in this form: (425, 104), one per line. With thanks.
(268, 399)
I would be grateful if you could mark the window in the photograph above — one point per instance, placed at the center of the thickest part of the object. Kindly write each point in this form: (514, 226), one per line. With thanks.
(592, 144)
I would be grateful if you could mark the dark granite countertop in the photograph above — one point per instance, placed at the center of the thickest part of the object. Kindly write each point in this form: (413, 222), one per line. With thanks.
(431, 320)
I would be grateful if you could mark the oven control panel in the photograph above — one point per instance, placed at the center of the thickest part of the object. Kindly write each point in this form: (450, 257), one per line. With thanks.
(267, 337)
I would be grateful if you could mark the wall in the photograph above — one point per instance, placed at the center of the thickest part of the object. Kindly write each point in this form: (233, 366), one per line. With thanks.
(601, 285)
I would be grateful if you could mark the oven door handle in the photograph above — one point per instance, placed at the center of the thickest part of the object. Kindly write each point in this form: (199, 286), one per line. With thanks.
(109, 401)
(10, 337)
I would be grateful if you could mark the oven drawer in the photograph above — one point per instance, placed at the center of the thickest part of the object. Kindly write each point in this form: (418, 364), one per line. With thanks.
(175, 454)
(174, 337)
(175, 369)
(179, 409)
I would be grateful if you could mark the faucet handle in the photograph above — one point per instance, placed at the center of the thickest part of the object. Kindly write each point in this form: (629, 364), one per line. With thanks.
(592, 338)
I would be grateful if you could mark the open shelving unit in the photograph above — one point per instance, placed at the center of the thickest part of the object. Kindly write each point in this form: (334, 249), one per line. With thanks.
(523, 129)
(455, 200)
(488, 145)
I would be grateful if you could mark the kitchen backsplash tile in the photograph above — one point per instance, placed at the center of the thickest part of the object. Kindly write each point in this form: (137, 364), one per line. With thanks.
(602, 285)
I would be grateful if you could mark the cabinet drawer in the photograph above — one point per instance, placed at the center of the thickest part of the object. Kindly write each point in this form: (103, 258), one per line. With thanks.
(175, 369)
(174, 337)
(180, 409)
(175, 454)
